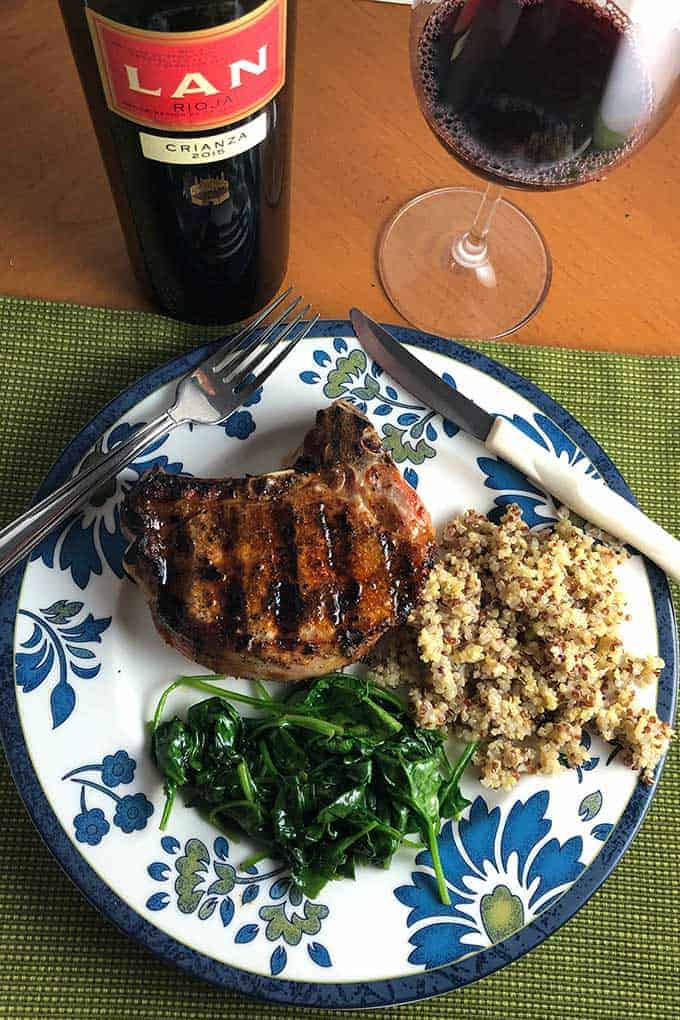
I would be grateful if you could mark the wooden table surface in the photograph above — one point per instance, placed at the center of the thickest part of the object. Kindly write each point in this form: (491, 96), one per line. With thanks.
(361, 150)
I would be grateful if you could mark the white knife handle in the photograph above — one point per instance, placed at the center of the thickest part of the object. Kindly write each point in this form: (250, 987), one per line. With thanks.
(589, 497)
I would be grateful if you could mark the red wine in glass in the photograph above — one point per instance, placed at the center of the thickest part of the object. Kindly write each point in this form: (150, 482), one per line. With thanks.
(528, 94)
(534, 93)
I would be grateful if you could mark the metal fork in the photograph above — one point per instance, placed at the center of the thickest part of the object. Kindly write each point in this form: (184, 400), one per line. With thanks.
(205, 396)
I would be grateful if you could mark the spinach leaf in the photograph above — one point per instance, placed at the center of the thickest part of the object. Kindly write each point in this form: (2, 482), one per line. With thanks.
(175, 749)
(453, 803)
(416, 784)
(330, 775)
(218, 728)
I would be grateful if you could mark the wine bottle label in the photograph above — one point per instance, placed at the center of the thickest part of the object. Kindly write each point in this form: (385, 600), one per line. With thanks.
(188, 81)
(205, 149)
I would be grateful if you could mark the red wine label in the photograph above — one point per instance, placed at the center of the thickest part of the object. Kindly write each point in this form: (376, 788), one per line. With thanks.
(188, 81)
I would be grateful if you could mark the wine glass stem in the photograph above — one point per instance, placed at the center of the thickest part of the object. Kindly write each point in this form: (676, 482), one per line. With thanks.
(470, 250)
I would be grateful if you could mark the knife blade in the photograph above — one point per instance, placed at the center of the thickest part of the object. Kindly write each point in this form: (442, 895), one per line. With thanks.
(588, 497)
(418, 379)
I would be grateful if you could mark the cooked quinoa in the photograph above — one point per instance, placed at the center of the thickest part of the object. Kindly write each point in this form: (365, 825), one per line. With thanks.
(515, 643)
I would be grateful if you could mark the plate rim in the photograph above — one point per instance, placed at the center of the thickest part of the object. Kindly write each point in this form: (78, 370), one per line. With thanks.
(335, 995)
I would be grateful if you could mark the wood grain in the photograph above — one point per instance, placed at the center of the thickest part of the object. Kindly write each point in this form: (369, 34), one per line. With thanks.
(361, 150)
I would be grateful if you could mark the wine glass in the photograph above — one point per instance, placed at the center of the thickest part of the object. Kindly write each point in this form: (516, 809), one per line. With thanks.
(532, 95)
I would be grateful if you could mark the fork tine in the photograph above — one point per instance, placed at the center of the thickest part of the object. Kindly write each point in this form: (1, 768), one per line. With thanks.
(243, 370)
(259, 380)
(237, 357)
(230, 345)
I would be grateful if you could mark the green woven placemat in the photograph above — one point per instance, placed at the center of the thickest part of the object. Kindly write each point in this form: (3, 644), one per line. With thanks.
(619, 957)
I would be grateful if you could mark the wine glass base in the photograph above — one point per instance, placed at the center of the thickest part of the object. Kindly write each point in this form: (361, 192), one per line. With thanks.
(434, 293)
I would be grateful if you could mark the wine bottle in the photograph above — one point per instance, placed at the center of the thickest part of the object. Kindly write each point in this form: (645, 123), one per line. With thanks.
(191, 102)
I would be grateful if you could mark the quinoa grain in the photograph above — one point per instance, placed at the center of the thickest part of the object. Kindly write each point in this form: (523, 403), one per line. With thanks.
(515, 643)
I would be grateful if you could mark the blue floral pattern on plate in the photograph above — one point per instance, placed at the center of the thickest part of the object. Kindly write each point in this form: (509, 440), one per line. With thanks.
(58, 648)
(208, 885)
(536, 506)
(412, 430)
(589, 808)
(501, 874)
(131, 812)
(83, 544)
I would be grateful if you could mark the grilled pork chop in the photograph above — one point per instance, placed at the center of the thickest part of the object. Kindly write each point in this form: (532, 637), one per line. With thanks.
(286, 575)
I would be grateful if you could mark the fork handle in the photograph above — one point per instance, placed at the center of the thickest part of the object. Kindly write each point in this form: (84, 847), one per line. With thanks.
(20, 537)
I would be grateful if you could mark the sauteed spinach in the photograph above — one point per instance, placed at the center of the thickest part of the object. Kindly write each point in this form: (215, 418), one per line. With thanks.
(333, 774)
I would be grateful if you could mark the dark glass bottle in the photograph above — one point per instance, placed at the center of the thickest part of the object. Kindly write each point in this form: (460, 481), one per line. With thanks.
(191, 101)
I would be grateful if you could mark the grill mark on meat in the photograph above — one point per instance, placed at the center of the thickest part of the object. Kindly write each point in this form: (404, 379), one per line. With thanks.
(326, 532)
(331, 598)
(208, 572)
(403, 583)
(403, 580)
(314, 569)
(334, 530)
(174, 576)
(410, 579)
(288, 608)
(255, 559)
(392, 578)
(235, 613)
(369, 570)
(344, 590)
(287, 575)
(234, 608)
(406, 575)
(285, 600)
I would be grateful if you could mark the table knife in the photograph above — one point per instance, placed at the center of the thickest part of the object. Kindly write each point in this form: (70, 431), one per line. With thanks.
(589, 497)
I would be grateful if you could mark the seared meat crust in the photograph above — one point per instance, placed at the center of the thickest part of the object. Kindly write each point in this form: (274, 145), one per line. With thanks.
(286, 575)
